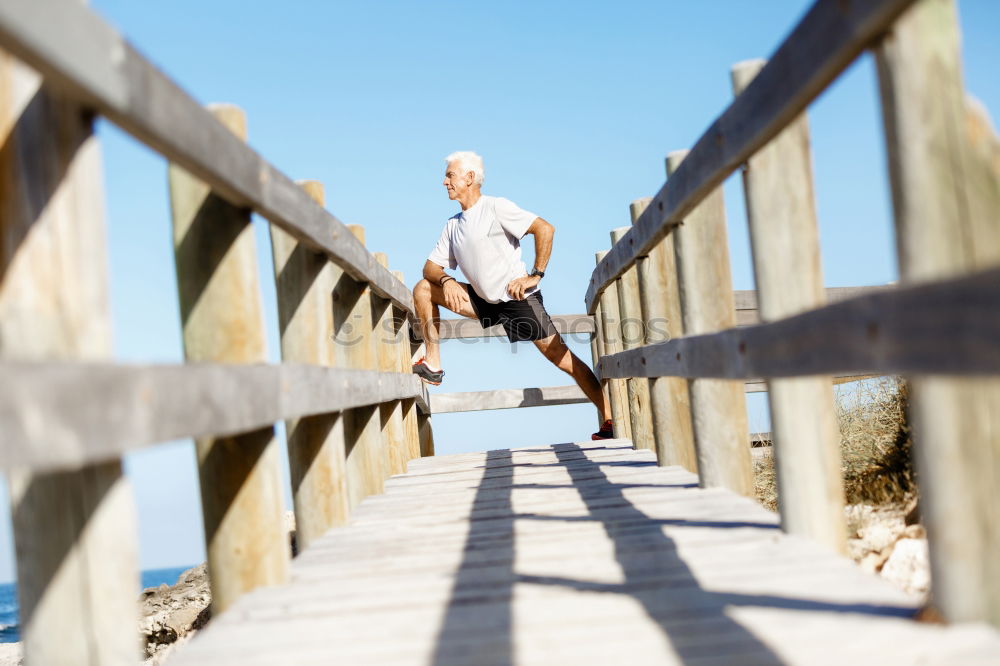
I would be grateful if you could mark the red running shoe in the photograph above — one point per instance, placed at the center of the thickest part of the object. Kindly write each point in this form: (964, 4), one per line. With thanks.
(606, 431)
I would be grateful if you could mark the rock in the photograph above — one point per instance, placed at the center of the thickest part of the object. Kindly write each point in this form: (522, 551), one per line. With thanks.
(884, 541)
(172, 613)
(909, 566)
(880, 535)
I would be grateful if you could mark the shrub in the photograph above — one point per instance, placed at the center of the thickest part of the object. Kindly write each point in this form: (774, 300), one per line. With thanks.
(875, 446)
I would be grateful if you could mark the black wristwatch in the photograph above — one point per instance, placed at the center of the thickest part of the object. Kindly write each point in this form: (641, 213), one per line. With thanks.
(537, 272)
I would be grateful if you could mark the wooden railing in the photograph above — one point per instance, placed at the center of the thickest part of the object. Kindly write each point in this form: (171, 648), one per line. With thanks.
(940, 326)
(354, 412)
(581, 327)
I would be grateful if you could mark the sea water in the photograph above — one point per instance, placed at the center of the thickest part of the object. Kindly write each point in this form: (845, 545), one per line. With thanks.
(9, 628)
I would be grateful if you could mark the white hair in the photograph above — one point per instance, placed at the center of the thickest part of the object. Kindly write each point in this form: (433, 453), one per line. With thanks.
(468, 161)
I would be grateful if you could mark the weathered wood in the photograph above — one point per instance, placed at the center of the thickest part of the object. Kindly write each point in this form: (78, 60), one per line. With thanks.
(827, 39)
(784, 240)
(472, 401)
(57, 416)
(886, 333)
(746, 300)
(670, 402)
(74, 532)
(760, 385)
(356, 347)
(577, 325)
(632, 333)
(611, 338)
(596, 349)
(304, 281)
(410, 428)
(389, 341)
(718, 408)
(670, 574)
(445, 403)
(425, 433)
(947, 223)
(91, 62)
(222, 320)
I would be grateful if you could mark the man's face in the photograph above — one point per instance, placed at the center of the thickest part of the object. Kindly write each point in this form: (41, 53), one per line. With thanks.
(456, 180)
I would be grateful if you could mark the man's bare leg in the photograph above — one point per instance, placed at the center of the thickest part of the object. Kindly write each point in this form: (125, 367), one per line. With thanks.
(556, 351)
(427, 299)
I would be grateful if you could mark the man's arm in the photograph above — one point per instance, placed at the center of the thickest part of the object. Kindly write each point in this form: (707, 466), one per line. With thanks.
(454, 293)
(543, 233)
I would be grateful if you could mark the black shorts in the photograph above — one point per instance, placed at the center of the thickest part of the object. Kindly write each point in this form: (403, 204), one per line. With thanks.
(523, 320)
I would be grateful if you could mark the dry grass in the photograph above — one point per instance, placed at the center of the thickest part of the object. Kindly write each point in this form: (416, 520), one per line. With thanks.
(874, 444)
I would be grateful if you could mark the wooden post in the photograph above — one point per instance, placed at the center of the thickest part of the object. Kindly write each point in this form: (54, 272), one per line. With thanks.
(784, 237)
(945, 201)
(660, 301)
(611, 337)
(425, 433)
(305, 280)
(356, 348)
(390, 413)
(596, 350)
(410, 427)
(222, 318)
(632, 336)
(74, 531)
(718, 406)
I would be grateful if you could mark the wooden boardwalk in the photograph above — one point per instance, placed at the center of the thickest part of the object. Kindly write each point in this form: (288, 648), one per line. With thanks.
(573, 554)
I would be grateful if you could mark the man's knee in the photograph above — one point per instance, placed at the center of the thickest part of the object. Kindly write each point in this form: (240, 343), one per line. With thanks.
(554, 350)
(422, 291)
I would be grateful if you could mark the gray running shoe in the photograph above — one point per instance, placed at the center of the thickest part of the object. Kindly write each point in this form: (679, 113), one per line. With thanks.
(433, 377)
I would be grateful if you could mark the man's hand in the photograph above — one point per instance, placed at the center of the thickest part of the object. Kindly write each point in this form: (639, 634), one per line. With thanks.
(518, 286)
(455, 296)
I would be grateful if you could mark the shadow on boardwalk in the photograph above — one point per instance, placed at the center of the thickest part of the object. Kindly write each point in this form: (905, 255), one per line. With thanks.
(654, 573)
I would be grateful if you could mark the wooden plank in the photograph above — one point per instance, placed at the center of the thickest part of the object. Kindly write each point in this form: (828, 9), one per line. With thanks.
(610, 323)
(546, 396)
(425, 433)
(74, 532)
(80, 53)
(304, 281)
(945, 188)
(649, 579)
(356, 347)
(583, 324)
(596, 349)
(760, 385)
(447, 403)
(389, 342)
(410, 427)
(747, 299)
(949, 327)
(718, 408)
(222, 320)
(670, 400)
(63, 415)
(632, 334)
(827, 39)
(784, 239)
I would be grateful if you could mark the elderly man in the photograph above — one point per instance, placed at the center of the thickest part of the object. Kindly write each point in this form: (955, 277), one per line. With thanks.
(483, 240)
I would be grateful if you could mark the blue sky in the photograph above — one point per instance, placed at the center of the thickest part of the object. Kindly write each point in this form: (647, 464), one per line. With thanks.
(573, 105)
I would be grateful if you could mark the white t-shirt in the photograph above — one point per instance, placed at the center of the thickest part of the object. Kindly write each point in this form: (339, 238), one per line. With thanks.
(485, 242)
